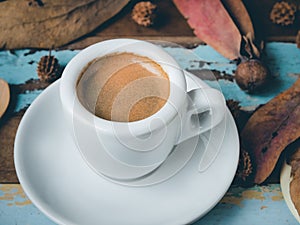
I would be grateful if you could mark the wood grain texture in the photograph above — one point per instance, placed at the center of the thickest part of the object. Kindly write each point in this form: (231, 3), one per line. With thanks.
(170, 27)
(49, 24)
(8, 129)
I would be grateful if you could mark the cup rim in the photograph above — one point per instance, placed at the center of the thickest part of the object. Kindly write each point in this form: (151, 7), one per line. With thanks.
(74, 68)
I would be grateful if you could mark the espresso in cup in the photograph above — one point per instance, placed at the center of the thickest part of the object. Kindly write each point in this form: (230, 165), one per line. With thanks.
(123, 87)
(130, 80)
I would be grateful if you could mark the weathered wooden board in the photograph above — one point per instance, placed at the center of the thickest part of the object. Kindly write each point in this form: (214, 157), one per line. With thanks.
(19, 69)
(257, 205)
(171, 26)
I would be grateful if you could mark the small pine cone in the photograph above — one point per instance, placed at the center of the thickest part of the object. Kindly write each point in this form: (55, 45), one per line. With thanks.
(298, 39)
(245, 168)
(144, 13)
(283, 13)
(48, 68)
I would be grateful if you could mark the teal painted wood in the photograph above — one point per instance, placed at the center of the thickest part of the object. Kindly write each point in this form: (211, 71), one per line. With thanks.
(16, 209)
(284, 62)
(238, 206)
(257, 205)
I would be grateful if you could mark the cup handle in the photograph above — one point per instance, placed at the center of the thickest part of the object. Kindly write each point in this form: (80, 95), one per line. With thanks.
(206, 109)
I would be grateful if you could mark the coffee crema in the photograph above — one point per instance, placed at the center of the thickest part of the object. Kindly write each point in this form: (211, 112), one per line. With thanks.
(123, 87)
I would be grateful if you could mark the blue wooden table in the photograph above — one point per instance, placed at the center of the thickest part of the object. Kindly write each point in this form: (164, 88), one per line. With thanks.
(255, 205)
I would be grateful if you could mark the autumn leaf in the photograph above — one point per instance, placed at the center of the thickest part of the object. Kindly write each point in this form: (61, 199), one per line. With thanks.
(271, 129)
(50, 24)
(213, 25)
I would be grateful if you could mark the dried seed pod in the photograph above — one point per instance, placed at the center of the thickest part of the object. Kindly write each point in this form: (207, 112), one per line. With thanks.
(283, 13)
(144, 13)
(251, 75)
(48, 68)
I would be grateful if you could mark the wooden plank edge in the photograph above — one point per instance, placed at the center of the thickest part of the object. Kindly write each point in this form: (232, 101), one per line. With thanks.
(186, 41)
(281, 39)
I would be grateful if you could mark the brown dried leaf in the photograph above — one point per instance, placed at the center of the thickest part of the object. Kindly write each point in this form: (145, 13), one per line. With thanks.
(271, 128)
(52, 24)
(241, 18)
(250, 48)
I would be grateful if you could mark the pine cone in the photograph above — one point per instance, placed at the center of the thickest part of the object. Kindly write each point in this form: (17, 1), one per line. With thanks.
(48, 68)
(144, 13)
(283, 13)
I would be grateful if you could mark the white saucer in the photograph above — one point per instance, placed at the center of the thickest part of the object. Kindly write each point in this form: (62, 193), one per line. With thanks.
(58, 181)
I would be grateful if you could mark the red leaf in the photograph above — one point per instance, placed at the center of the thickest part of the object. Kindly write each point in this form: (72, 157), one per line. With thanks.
(212, 24)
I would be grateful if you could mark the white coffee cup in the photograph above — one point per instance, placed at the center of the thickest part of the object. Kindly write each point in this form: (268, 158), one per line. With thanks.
(129, 150)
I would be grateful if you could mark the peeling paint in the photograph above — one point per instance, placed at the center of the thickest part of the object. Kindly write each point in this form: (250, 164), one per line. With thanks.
(13, 194)
(26, 202)
(263, 207)
(277, 197)
(253, 194)
(232, 200)
(238, 203)
(237, 195)
(201, 57)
